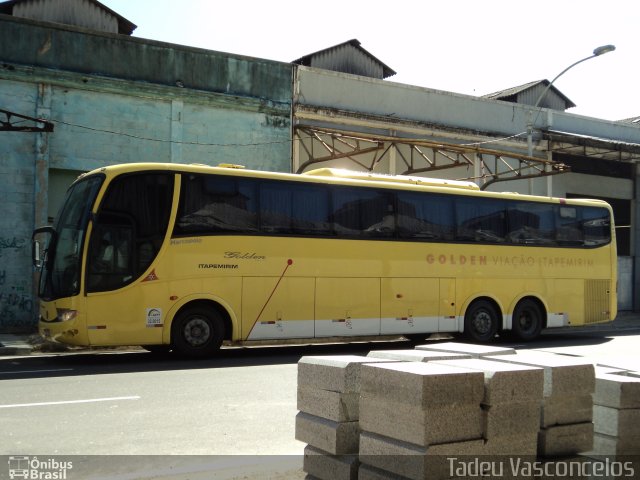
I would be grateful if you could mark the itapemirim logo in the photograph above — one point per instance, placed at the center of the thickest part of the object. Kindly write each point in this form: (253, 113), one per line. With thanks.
(33, 468)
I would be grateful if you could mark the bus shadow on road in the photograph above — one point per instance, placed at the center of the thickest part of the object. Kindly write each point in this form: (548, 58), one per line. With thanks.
(122, 360)
(110, 361)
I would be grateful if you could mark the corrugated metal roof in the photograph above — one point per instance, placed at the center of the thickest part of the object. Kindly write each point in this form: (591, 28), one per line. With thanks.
(345, 63)
(510, 94)
(634, 120)
(125, 27)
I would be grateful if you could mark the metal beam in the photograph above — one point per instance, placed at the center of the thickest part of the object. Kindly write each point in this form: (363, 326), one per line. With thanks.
(415, 156)
(10, 125)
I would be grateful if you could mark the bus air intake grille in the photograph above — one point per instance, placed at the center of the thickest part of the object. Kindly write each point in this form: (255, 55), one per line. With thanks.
(596, 301)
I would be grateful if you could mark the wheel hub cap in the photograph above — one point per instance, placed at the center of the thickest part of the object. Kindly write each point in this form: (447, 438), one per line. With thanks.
(197, 332)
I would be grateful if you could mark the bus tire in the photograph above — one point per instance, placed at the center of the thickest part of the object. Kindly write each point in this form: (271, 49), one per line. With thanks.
(481, 321)
(527, 321)
(197, 332)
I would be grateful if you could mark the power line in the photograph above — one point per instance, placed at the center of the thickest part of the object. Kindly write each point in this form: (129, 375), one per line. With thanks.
(161, 140)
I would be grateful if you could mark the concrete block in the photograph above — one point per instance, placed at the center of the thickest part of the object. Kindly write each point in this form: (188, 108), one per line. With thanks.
(608, 446)
(336, 406)
(612, 370)
(332, 437)
(325, 466)
(565, 410)
(521, 445)
(367, 472)
(574, 467)
(413, 461)
(422, 385)
(563, 375)
(565, 439)
(620, 423)
(476, 351)
(505, 382)
(510, 419)
(417, 355)
(339, 373)
(617, 391)
(626, 363)
(433, 425)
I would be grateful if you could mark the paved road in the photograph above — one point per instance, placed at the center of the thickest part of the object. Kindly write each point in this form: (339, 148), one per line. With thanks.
(242, 403)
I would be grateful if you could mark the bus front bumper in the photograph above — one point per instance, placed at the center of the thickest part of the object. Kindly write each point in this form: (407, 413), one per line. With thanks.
(66, 327)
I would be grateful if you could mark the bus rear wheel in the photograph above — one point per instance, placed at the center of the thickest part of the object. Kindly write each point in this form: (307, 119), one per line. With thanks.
(481, 321)
(197, 332)
(527, 321)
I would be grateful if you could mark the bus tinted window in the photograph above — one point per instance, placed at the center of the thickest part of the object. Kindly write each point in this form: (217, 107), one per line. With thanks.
(293, 208)
(217, 204)
(531, 223)
(362, 212)
(596, 226)
(310, 210)
(480, 220)
(214, 204)
(428, 217)
(568, 228)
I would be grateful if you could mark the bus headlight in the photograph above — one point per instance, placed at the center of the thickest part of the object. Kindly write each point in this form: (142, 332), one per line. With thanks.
(64, 314)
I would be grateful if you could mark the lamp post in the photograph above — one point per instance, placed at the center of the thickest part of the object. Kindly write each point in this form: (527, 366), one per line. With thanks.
(596, 53)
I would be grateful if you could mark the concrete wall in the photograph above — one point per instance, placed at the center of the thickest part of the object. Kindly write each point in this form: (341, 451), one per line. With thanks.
(114, 99)
(17, 178)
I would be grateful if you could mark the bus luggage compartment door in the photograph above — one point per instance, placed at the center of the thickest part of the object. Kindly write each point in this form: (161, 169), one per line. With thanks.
(347, 307)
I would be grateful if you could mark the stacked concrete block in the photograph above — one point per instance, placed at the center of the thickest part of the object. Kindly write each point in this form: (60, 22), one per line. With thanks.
(510, 407)
(616, 415)
(328, 404)
(630, 366)
(412, 415)
(417, 355)
(475, 351)
(566, 420)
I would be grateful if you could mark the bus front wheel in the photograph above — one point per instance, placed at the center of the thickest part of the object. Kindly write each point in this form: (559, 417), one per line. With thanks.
(527, 321)
(481, 321)
(197, 332)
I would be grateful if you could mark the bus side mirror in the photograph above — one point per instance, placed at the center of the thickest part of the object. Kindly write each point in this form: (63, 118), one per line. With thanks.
(36, 254)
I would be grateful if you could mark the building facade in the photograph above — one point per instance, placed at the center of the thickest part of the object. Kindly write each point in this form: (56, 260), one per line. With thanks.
(112, 98)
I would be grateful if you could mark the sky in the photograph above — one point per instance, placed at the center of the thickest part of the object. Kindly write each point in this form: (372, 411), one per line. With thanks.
(472, 47)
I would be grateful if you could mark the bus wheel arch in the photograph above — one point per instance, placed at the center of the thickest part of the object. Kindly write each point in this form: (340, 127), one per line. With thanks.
(528, 319)
(199, 327)
(482, 319)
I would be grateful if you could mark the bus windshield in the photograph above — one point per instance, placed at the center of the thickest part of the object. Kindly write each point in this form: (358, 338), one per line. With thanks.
(60, 275)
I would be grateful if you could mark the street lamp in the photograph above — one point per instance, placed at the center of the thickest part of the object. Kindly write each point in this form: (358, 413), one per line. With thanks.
(596, 53)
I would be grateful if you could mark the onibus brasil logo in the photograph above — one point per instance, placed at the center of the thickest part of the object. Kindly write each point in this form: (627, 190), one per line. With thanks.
(38, 469)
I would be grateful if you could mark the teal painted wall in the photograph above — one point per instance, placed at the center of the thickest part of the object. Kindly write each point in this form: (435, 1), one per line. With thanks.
(17, 152)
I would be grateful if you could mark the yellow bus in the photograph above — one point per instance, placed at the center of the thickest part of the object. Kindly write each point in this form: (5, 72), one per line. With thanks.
(189, 257)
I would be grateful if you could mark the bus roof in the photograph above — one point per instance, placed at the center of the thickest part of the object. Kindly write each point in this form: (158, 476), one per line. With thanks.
(343, 176)
(355, 175)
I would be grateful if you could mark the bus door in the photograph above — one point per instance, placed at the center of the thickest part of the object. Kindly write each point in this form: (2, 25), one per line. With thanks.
(125, 289)
(410, 305)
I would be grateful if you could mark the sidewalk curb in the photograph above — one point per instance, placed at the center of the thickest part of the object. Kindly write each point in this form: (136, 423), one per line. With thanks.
(14, 351)
(15, 345)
